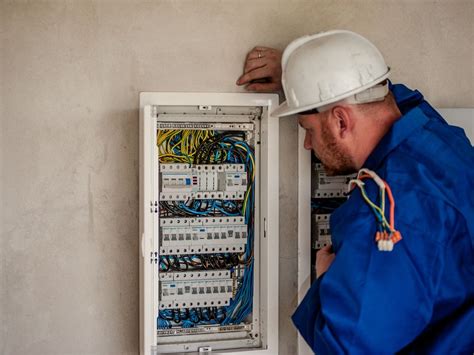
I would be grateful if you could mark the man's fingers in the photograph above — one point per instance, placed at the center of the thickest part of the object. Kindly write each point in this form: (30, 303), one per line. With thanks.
(263, 87)
(259, 73)
(258, 52)
(262, 63)
(324, 259)
(261, 48)
(325, 250)
(255, 55)
(254, 64)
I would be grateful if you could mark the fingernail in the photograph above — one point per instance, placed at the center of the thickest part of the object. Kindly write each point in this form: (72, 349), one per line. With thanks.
(238, 81)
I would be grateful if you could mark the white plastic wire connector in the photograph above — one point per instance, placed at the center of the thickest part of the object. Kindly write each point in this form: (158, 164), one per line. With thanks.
(385, 245)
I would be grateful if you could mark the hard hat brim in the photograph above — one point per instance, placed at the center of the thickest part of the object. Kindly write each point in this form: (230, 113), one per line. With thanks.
(284, 110)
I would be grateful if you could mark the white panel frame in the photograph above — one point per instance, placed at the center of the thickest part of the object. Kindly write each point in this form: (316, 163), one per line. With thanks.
(145, 231)
(304, 228)
(269, 214)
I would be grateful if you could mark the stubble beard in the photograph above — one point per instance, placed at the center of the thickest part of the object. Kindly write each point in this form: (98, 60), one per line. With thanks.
(335, 159)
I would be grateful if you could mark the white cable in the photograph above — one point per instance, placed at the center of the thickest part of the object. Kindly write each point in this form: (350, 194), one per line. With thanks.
(374, 176)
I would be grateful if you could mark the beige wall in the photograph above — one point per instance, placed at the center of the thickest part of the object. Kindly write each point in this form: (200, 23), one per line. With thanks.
(70, 76)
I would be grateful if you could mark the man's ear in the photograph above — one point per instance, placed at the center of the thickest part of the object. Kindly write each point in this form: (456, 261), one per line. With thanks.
(342, 121)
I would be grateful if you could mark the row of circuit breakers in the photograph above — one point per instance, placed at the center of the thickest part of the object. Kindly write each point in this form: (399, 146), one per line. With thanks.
(328, 192)
(204, 235)
(189, 238)
(182, 291)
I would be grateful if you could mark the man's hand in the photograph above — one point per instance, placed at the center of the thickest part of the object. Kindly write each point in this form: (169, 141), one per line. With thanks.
(324, 259)
(262, 71)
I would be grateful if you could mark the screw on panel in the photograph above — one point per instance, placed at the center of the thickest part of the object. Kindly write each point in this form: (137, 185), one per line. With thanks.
(205, 350)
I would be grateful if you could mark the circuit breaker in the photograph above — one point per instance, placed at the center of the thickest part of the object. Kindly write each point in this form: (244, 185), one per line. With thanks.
(208, 223)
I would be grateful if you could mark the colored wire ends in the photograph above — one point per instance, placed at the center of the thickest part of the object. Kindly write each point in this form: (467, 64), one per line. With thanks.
(386, 236)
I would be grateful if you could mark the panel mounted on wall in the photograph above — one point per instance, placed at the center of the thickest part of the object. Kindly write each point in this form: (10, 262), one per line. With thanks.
(208, 223)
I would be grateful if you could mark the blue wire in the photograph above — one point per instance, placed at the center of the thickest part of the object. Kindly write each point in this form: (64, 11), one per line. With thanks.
(242, 304)
(187, 209)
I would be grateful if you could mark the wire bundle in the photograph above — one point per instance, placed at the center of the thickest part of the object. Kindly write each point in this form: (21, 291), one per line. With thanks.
(180, 146)
(191, 317)
(211, 147)
(386, 236)
(205, 208)
(241, 305)
(199, 262)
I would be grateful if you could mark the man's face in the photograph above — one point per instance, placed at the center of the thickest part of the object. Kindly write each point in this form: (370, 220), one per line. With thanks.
(323, 142)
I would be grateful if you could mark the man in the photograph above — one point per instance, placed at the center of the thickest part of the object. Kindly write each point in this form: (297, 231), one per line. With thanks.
(419, 297)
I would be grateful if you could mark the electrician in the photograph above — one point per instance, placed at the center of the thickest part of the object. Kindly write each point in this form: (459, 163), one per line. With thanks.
(418, 297)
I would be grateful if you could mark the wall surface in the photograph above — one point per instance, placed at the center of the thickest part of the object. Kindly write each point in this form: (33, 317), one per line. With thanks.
(70, 76)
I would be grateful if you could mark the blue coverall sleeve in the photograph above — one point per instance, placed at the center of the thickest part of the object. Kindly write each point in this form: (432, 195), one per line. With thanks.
(371, 301)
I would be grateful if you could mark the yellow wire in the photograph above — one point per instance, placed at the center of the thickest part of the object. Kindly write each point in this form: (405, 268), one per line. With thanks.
(384, 220)
(188, 144)
(253, 177)
(382, 203)
(251, 158)
(247, 194)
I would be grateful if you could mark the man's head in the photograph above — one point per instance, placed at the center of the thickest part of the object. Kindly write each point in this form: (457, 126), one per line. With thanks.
(327, 137)
(336, 82)
(345, 134)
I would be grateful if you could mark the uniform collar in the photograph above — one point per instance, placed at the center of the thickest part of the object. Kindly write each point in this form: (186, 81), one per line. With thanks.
(406, 98)
(404, 127)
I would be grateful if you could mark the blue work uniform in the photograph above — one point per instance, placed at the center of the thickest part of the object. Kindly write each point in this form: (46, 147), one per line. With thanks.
(418, 298)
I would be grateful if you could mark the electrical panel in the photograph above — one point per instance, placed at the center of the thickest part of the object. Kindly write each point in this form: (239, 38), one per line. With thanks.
(327, 193)
(209, 223)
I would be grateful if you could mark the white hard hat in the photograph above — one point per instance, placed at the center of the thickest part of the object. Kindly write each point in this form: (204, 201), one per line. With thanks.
(328, 67)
